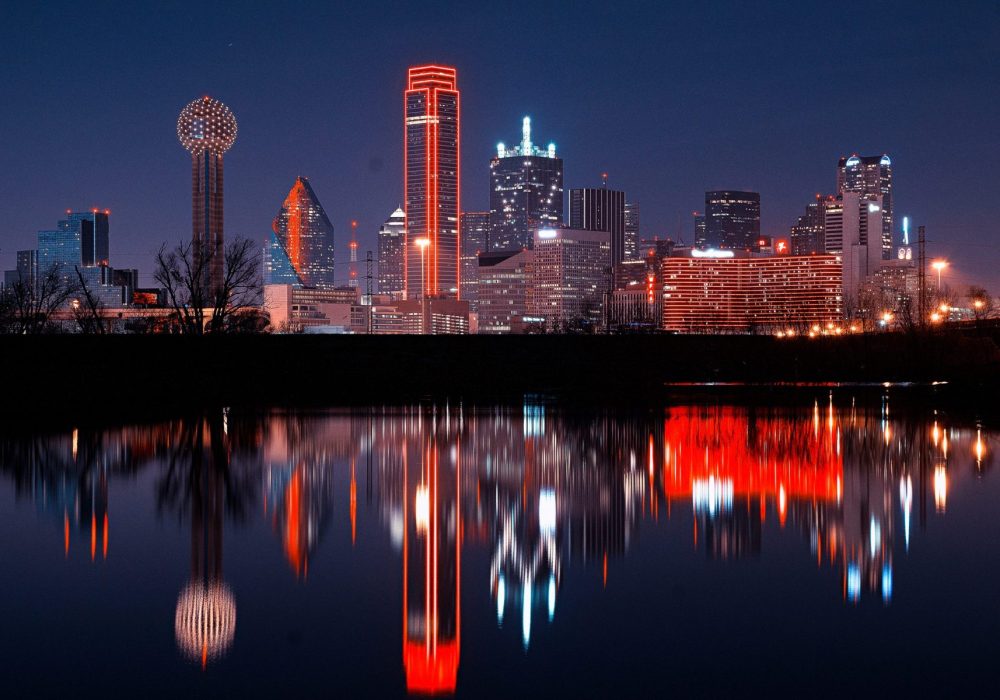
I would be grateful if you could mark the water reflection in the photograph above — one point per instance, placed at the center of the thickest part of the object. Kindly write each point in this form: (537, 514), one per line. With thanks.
(545, 495)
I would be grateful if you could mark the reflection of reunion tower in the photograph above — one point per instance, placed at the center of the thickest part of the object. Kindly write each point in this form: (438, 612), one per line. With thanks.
(205, 621)
(207, 129)
(432, 564)
(431, 182)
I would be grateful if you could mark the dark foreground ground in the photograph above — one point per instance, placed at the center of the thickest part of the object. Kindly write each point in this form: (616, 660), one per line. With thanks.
(132, 376)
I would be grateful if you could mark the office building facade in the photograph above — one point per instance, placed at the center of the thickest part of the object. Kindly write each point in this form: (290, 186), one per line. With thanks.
(300, 250)
(600, 209)
(732, 220)
(571, 274)
(504, 290)
(632, 234)
(743, 294)
(474, 233)
(391, 254)
(432, 182)
(870, 176)
(853, 225)
(526, 192)
(808, 235)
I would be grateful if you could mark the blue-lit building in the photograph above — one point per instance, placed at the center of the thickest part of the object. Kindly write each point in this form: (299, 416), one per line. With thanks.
(300, 250)
(78, 247)
(526, 192)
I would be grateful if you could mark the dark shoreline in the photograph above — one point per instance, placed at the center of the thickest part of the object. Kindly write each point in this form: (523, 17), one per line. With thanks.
(133, 377)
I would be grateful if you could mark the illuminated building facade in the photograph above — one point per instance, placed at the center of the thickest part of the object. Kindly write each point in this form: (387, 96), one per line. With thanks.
(870, 176)
(631, 231)
(571, 273)
(207, 129)
(79, 248)
(426, 316)
(26, 271)
(746, 294)
(636, 303)
(808, 235)
(700, 236)
(732, 220)
(432, 182)
(474, 234)
(526, 192)
(600, 209)
(391, 258)
(300, 250)
(296, 309)
(852, 227)
(504, 280)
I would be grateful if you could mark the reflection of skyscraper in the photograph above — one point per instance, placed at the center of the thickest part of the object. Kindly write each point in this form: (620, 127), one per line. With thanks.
(301, 249)
(207, 129)
(432, 181)
(391, 248)
(526, 192)
(432, 563)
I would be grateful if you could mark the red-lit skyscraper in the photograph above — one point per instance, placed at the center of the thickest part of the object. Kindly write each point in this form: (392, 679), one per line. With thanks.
(207, 129)
(432, 182)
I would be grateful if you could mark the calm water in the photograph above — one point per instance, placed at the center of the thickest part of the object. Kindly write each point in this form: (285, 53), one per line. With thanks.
(842, 545)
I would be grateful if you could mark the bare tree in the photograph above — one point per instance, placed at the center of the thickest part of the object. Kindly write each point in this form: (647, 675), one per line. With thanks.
(201, 306)
(981, 303)
(29, 304)
(88, 311)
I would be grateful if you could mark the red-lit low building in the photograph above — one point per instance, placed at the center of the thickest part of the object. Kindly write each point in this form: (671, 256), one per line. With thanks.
(709, 293)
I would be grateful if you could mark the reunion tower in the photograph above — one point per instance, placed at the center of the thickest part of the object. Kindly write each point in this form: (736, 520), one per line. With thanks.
(207, 129)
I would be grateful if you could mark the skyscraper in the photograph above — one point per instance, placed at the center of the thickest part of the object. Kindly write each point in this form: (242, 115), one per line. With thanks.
(77, 250)
(526, 192)
(570, 275)
(870, 175)
(631, 230)
(300, 250)
(26, 271)
(732, 220)
(853, 228)
(808, 235)
(600, 209)
(700, 236)
(475, 230)
(432, 182)
(391, 260)
(207, 129)
(93, 227)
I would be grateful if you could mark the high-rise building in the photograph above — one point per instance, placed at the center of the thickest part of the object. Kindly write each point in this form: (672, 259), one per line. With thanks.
(741, 293)
(732, 220)
(808, 235)
(571, 273)
(504, 282)
(600, 209)
(700, 236)
(853, 229)
(300, 250)
(26, 271)
(207, 129)
(94, 230)
(871, 176)
(77, 251)
(391, 259)
(475, 230)
(526, 192)
(432, 182)
(631, 231)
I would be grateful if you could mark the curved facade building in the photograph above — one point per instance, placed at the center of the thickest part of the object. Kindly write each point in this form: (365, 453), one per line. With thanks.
(300, 250)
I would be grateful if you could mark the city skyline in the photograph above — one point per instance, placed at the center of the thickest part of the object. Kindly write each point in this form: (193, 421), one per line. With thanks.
(137, 172)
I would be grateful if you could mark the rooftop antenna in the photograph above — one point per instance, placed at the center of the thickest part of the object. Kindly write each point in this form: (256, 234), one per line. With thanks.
(526, 136)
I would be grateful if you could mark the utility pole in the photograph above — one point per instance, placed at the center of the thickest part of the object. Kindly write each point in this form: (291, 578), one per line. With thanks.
(922, 276)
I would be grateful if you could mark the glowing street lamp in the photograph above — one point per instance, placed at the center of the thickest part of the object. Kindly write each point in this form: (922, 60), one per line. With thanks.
(939, 265)
(423, 243)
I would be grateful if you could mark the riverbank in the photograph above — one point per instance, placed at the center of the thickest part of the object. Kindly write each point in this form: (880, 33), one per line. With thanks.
(77, 373)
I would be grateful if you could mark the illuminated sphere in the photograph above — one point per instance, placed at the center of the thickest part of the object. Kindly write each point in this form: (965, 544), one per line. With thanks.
(206, 124)
(205, 621)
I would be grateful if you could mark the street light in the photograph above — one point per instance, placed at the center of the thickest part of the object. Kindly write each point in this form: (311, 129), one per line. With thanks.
(422, 243)
(939, 265)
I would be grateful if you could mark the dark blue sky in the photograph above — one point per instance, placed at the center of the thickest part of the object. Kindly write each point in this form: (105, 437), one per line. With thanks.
(670, 99)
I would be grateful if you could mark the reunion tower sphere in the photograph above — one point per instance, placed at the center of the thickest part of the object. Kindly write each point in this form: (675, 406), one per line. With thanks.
(205, 621)
(206, 125)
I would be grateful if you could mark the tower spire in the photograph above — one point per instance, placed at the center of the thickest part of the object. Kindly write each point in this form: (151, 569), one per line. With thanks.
(526, 136)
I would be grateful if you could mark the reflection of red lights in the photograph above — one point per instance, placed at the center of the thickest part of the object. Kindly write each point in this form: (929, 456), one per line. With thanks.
(770, 457)
(431, 673)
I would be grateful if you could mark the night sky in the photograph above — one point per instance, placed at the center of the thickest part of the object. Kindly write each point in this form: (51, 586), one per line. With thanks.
(670, 101)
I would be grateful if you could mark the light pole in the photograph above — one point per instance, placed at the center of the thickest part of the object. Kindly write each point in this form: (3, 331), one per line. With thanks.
(939, 265)
(422, 243)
